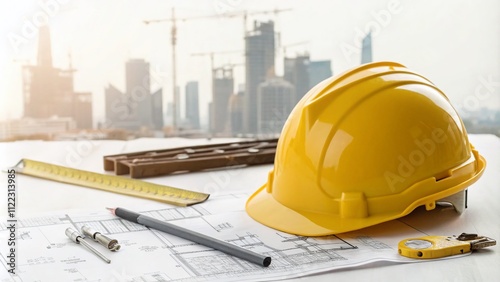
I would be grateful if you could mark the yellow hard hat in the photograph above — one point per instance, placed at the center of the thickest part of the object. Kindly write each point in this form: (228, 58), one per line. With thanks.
(365, 147)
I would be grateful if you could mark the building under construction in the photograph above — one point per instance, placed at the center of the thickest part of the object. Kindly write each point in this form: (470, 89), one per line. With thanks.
(259, 56)
(223, 88)
(275, 100)
(49, 92)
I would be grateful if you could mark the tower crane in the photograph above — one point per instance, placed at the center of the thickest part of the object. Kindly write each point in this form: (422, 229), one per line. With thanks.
(212, 64)
(212, 68)
(211, 55)
(173, 20)
(286, 46)
(173, 33)
(245, 14)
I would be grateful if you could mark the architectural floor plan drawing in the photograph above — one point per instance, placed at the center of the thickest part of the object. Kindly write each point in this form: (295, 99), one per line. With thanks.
(149, 255)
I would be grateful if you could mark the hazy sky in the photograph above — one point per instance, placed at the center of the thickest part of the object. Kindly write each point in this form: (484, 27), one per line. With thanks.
(456, 44)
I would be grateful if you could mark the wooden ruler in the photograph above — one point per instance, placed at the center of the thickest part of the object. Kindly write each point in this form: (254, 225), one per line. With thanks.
(111, 183)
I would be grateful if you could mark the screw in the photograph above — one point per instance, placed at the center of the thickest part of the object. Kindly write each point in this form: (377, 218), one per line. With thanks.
(111, 244)
(77, 238)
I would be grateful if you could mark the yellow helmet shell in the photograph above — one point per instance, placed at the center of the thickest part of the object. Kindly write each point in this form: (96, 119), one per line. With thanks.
(362, 148)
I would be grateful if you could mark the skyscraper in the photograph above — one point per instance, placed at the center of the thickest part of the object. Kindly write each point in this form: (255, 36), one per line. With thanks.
(259, 55)
(192, 104)
(82, 109)
(319, 71)
(136, 108)
(49, 91)
(112, 101)
(177, 106)
(297, 73)
(223, 88)
(275, 102)
(235, 109)
(119, 110)
(44, 58)
(157, 106)
(138, 91)
(366, 49)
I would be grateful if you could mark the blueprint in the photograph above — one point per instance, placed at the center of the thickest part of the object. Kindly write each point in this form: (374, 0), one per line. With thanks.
(45, 253)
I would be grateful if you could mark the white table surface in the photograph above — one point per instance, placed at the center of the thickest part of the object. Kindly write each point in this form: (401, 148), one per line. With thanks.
(37, 196)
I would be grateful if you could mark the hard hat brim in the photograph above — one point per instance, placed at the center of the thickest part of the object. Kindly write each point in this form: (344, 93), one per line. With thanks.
(264, 208)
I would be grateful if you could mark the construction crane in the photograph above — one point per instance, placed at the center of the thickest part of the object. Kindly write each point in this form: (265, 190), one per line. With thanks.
(173, 20)
(173, 33)
(245, 15)
(211, 55)
(286, 46)
(232, 65)
(212, 65)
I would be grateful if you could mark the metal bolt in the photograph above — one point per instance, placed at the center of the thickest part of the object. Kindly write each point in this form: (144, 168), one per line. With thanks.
(111, 244)
(77, 238)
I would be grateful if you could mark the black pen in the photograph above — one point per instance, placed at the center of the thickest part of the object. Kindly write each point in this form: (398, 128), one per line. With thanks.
(192, 236)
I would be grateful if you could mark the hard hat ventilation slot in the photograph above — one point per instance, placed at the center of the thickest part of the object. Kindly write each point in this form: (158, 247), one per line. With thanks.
(443, 175)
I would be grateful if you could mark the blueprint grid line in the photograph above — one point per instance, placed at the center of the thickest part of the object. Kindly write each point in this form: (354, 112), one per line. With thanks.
(150, 255)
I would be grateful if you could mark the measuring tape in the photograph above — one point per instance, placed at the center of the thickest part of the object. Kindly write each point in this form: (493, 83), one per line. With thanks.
(429, 247)
(111, 183)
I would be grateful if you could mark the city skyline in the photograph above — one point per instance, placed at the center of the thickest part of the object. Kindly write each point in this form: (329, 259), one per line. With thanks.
(48, 93)
(460, 39)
